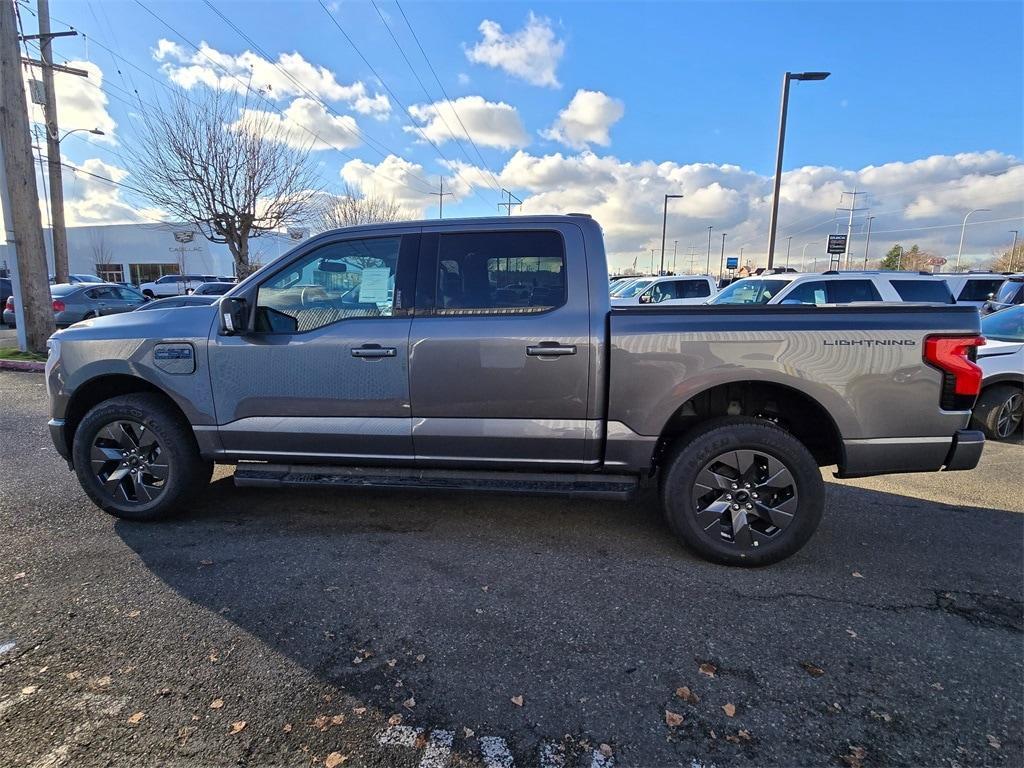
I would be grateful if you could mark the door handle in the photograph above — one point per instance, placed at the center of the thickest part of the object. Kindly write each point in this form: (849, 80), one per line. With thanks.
(374, 351)
(551, 349)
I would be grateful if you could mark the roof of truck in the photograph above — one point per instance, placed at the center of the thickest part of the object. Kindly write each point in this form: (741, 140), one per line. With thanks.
(485, 221)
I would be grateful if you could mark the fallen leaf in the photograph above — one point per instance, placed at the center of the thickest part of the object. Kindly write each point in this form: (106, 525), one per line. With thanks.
(687, 695)
(485, 587)
(133, 614)
(673, 719)
(238, 726)
(605, 749)
(102, 682)
(320, 722)
(74, 675)
(707, 668)
(744, 734)
(858, 575)
(19, 576)
(334, 759)
(357, 660)
(812, 669)
(420, 657)
(287, 728)
(28, 690)
(937, 686)
(359, 710)
(136, 718)
(517, 700)
(216, 703)
(884, 716)
(729, 709)
(409, 703)
(856, 757)
(395, 720)
(468, 733)
(214, 657)
(337, 720)
(993, 741)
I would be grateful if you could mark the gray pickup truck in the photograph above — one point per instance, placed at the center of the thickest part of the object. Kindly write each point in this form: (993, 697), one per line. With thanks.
(483, 354)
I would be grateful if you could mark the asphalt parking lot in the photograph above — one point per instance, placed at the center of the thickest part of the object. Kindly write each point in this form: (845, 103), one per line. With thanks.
(427, 629)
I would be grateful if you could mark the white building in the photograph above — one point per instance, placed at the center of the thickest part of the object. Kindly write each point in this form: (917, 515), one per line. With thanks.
(138, 253)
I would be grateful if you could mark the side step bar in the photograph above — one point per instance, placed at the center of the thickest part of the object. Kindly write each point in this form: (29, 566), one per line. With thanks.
(254, 475)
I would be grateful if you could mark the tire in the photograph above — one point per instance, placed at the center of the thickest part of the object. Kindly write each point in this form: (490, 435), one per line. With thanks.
(161, 464)
(149, 293)
(999, 411)
(783, 515)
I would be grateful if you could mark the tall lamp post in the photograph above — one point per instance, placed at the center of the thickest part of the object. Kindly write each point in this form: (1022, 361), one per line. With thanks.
(1013, 250)
(867, 243)
(963, 229)
(803, 255)
(778, 155)
(708, 267)
(664, 220)
(721, 263)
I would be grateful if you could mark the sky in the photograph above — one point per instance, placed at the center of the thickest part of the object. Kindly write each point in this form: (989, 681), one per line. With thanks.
(590, 107)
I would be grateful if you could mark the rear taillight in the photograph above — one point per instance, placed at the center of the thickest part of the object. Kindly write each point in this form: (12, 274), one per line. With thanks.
(10, 303)
(961, 376)
(58, 305)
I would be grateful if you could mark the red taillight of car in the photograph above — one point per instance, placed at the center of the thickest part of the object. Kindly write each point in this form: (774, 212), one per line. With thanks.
(10, 303)
(58, 305)
(961, 376)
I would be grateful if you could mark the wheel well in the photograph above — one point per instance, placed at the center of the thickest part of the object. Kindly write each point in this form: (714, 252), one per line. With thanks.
(95, 391)
(798, 414)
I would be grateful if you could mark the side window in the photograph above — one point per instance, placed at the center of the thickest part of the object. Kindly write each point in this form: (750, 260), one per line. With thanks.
(978, 290)
(128, 294)
(167, 279)
(659, 292)
(338, 281)
(692, 289)
(807, 293)
(847, 291)
(500, 273)
(923, 290)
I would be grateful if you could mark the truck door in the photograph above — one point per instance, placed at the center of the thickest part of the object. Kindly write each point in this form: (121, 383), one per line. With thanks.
(500, 348)
(324, 373)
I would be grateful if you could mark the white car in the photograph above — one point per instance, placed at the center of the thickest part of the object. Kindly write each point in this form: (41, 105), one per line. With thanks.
(670, 290)
(1000, 407)
(973, 288)
(175, 285)
(836, 288)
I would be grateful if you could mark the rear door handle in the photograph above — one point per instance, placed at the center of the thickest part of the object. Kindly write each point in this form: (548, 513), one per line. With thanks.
(551, 349)
(374, 351)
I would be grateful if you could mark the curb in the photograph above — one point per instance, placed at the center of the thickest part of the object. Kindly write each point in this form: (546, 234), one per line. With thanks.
(22, 365)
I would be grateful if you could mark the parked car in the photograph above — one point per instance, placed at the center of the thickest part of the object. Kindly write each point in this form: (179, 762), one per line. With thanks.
(213, 289)
(73, 302)
(79, 278)
(174, 285)
(632, 288)
(618, 282)
(449, 385)
(6, 291)
(671, 290)
(973, 288)
(836, 288)
(1000, 407)
(1009, 294)
(177, 301)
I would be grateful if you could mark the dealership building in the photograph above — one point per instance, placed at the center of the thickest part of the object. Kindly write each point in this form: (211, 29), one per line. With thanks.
(139, 253)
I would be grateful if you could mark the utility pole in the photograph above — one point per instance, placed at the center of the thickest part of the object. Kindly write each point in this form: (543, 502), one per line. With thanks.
(867, 242)
(1013, 251)
(652, 262)
(789, 245)
(721, 263)
(31, 286)
(664, 221)
(708, 268)
(440, 194)
(512, 200)
(693, 252)
(849, 225)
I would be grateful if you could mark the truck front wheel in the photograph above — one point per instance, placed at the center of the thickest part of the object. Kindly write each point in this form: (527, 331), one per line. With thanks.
(741, 491)
(136, 458)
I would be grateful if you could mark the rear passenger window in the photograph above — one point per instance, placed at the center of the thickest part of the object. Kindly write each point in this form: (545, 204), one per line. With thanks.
(848, 291)
(807, 293)
(502, 273)
(923, 290)
(978, 290)
(692, 289)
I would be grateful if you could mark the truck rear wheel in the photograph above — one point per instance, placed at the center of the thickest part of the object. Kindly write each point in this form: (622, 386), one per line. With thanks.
(741, 491)
(136, 458)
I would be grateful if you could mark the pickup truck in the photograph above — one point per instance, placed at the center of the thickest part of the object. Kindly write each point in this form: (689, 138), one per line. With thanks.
(484, 354)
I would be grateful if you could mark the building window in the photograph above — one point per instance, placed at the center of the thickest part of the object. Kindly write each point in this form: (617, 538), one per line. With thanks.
(111, 273)
(147, 273)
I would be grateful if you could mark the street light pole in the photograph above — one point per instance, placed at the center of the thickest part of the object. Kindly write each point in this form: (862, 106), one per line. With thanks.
(1013, 251)
(675, 250)
(664, 220)
(803, 254)
(963, 229)
(867, 242)
(783, 109)
(789, 244)
(708, 268)
(899, 261)
(721, 263)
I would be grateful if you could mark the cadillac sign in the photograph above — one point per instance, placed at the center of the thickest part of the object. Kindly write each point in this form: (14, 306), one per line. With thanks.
(186, 236)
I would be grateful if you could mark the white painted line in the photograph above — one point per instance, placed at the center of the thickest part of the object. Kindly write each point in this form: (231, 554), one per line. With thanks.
(439, 749)
(552, 755)
(7, 646)
(400, 736)
(495, 752)
(600, 760)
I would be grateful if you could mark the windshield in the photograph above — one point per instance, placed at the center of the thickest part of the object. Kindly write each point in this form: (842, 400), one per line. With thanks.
(619, 287)
(632, 289)
(750, 291)
(1005, 325)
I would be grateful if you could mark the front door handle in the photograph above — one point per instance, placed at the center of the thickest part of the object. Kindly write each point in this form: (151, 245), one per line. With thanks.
(374, 351)
(551, 349)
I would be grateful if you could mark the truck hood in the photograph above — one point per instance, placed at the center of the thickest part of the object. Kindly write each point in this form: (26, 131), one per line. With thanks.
(170, 323)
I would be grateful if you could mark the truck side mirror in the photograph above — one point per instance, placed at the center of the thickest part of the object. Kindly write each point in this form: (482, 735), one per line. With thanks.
(234, 316)
(991, 296)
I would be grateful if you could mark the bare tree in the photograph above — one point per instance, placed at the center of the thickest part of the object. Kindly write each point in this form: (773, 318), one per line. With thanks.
(102, 255)
(1008, 261)
(350, 208)
(232, 171)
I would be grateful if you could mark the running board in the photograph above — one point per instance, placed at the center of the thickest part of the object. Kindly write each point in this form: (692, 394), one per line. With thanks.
(253, 475)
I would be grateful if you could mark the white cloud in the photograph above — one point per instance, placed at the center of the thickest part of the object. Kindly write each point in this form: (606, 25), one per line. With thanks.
(531, 54)
(404, 181)
(279, 79)
(305, 123)
(491, 124)
(90, 200)
(586, 120)
(914, 202)
(80, 102)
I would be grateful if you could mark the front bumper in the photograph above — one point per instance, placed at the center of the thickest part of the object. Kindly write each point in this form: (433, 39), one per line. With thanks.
(56, 427)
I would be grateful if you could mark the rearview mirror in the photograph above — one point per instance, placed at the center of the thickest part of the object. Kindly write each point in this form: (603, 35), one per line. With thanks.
(234, 316)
